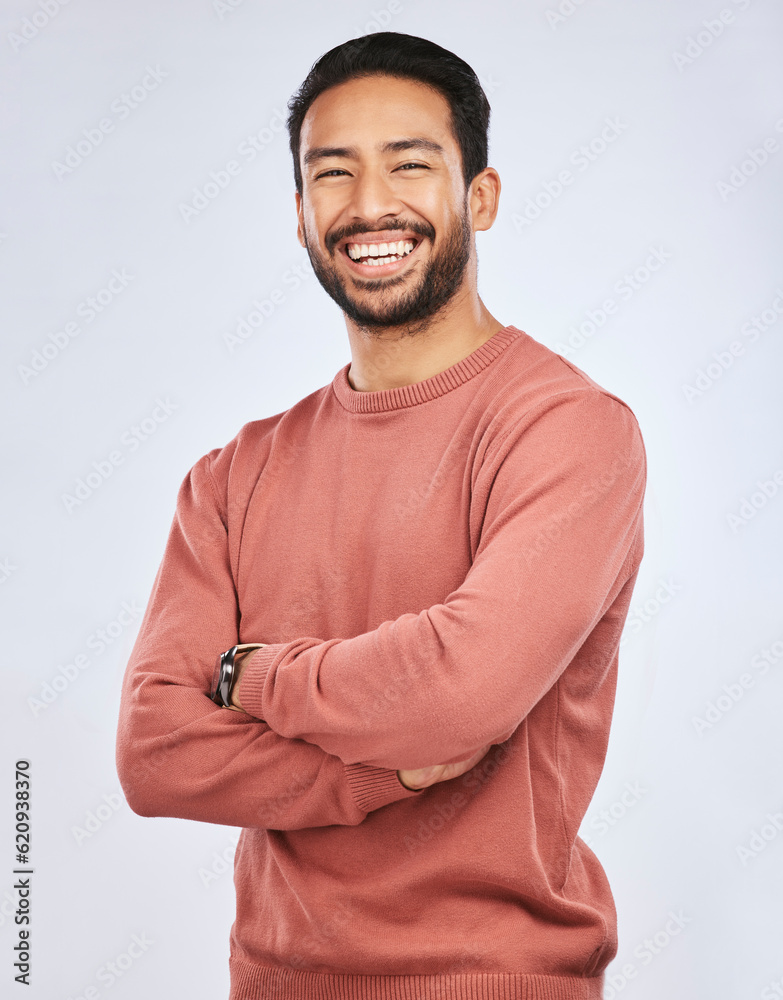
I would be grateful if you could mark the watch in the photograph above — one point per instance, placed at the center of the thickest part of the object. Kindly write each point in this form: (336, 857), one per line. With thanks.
(224, 674)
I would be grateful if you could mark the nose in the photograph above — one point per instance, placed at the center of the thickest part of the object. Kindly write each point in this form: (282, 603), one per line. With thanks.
(373, 197)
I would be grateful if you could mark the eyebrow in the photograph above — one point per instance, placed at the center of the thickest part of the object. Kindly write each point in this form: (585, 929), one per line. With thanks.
(352, 153)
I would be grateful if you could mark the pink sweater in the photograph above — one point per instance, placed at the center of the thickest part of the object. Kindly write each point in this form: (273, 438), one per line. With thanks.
(435, 567)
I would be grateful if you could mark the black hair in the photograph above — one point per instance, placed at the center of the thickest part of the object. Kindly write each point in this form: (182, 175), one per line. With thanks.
(393, 54)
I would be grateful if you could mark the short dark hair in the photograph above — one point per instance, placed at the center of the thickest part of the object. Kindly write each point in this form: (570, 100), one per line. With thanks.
(393, 54)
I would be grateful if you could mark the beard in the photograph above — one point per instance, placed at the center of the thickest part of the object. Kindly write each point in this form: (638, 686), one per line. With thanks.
(384, 306)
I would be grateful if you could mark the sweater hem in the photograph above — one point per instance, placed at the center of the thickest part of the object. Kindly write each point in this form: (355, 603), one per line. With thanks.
(263, 982)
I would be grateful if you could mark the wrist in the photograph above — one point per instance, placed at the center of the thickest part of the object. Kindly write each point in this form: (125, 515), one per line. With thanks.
(240, 662)
(225, 677)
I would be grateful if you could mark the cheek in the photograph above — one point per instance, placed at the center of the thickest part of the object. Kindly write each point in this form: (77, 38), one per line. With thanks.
(437, 206)
(316, 228)
(310, 230)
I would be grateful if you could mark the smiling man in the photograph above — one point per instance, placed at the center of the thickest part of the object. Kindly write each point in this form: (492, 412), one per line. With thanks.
(384, 635)
(382, 148)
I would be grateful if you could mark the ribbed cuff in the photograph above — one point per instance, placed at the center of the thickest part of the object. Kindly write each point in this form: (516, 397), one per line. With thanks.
(374, 787)
(255, 667)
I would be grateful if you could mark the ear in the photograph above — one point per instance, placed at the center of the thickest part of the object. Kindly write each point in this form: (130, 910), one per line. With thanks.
(484, 198)
(299, 219)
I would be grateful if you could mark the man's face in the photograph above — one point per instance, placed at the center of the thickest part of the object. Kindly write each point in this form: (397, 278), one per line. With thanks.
(361, 193)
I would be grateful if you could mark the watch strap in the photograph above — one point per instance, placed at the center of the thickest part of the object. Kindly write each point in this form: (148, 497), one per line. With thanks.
(226, 672)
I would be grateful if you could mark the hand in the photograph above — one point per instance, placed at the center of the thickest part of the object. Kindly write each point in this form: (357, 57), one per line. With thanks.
(423, 777)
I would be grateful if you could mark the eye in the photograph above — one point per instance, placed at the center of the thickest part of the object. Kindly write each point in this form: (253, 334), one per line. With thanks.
(336, 171)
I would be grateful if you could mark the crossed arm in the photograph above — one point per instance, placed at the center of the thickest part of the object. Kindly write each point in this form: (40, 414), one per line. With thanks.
(560, 500)
(179, 754)
(415, 780)
(561, 534)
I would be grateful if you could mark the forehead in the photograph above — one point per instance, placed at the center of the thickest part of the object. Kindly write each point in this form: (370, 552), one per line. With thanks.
(375, 108)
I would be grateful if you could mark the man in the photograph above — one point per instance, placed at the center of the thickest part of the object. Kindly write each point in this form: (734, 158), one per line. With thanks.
(426, 565)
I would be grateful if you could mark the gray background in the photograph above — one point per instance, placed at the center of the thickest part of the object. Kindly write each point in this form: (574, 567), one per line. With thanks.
(680, 819)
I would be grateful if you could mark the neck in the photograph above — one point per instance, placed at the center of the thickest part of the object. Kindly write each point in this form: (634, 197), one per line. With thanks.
(389, 357)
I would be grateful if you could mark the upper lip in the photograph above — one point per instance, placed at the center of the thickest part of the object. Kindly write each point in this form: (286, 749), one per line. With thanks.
(386, 236)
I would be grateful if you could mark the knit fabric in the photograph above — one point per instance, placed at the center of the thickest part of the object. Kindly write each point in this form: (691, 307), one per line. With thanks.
(433, 568)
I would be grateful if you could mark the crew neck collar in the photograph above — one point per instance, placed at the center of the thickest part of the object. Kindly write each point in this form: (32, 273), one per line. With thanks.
(421, 392)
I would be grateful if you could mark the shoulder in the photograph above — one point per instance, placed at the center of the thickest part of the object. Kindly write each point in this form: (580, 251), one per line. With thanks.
(535, 381)
(233, 469)
(546, 418)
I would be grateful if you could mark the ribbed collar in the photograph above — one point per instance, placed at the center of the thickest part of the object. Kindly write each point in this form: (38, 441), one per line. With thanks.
(430, 388)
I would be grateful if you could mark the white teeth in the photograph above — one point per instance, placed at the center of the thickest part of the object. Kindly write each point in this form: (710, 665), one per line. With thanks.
(382, 252)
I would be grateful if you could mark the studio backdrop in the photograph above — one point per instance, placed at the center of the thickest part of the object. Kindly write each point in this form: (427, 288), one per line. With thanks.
(155, 299)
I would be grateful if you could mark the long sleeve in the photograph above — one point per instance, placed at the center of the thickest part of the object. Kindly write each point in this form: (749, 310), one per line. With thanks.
(560, 498)
(178, 754)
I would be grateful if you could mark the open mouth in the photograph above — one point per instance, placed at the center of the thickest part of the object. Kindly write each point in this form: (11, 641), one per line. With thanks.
(379, 257)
